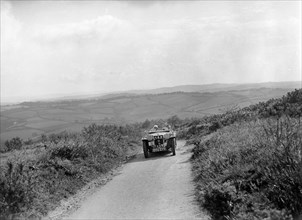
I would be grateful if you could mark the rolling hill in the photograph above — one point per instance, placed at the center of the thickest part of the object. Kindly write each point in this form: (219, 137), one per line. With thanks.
(31, 119)
(216, 87)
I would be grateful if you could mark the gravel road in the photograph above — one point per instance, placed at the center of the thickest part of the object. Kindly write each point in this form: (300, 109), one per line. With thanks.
(159, 187)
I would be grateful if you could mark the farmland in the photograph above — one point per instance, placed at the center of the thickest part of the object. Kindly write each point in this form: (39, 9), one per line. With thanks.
(31, 119)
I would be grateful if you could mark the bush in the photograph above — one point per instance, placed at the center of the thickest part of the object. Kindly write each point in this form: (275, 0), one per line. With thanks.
(13, 144)
(69, 150)
(16, 188)
(146, 124)
(250, 168)
(247, 162)
(289, 105)
(37, 178)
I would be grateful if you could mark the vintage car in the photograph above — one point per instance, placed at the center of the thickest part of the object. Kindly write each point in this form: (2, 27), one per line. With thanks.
(159, 140)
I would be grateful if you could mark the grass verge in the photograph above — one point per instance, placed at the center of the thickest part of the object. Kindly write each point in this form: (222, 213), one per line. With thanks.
(251, 170)
(34, 181)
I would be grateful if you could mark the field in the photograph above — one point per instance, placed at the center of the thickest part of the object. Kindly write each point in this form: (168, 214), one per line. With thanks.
(31, 119)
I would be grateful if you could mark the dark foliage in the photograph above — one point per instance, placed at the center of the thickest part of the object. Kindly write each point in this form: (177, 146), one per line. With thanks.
(16, 188)
(248, 163)
(290, 105)
(35, 181)
(13, 144)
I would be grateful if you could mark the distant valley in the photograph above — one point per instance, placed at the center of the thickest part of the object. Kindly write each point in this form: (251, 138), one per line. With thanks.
(31, 119)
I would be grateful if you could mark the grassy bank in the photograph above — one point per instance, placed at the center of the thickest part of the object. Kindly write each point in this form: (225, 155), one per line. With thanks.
(248, 163)
(251, 170)
(36, 177)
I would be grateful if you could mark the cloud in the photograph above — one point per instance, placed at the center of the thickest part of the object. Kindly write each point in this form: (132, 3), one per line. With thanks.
(67, 55)
(166, 43)
(103, 27)
(144, 4)
(10, 27)
(10, 43)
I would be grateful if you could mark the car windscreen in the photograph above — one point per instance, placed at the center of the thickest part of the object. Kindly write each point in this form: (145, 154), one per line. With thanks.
(158, 131)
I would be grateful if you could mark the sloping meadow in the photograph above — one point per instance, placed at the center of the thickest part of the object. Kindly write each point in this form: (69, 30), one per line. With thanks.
(251, 168)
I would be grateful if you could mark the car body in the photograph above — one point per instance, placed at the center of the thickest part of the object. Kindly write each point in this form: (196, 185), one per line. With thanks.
(159, 140)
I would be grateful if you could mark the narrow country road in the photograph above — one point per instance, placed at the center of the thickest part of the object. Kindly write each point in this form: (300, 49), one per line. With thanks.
(155, 188)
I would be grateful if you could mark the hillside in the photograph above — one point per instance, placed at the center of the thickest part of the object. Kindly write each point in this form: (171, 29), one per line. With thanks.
(36, 177)
(34, 118)
(31, 119)
(248, 163)
(217, 87)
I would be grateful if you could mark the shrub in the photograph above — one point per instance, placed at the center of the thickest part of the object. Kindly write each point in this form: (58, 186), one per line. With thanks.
(13, 144)
(250, 168)
(69, 150)
(36, 179)
(289, 105)
(29, 141)
(174, 121)
(16, 188)
(146, 124)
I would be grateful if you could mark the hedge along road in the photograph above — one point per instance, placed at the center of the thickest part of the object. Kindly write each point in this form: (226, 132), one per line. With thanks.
(154, 188)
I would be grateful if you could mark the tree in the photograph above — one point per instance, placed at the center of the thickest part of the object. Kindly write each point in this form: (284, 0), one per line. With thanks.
(174, 121)
(146, 124)
(43, 138)
(14, 143)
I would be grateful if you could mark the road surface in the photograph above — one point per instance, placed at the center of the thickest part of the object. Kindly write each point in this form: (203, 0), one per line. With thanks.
(159, 187)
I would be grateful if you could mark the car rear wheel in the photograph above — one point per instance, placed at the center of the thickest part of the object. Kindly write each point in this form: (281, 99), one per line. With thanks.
(173, 146)
(145, 148)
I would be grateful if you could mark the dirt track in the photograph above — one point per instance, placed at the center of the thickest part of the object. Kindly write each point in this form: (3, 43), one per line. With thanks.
(154, 188)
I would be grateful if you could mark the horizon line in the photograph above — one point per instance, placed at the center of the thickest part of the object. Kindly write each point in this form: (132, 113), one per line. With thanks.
(57, 96)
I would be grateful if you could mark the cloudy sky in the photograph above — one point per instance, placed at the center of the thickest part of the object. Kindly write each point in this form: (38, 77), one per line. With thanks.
(81, 47)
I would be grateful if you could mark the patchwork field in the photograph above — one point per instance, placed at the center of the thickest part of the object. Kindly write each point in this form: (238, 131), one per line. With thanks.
(31, 119)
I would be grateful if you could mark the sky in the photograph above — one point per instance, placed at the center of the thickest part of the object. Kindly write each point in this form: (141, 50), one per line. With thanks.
(53, 48)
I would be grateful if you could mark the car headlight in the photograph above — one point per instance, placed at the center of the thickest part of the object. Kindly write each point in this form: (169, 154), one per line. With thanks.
(166, 136)
(150, 138)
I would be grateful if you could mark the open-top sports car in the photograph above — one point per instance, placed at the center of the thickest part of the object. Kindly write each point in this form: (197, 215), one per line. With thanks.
(159, 140)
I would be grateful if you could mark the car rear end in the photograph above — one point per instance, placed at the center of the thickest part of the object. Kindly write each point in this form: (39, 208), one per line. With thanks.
(158, 141)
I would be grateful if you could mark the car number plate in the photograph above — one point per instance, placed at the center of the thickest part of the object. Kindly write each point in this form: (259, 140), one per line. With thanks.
(159, 149)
